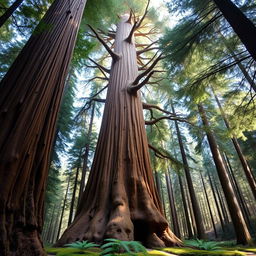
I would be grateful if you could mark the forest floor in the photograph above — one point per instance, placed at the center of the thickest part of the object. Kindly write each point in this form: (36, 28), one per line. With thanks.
(185, 251)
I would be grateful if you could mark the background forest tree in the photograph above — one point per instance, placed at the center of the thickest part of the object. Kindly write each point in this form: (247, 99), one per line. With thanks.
(200, 112)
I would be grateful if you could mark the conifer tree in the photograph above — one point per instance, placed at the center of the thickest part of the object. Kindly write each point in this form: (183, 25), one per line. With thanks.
(30, 98)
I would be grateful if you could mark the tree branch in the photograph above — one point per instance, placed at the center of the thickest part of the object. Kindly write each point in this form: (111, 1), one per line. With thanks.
(158, 153)
(171, 117)
(136, 81)
(101, 90)
(134, 88)
(129, 38)
(150, 106)
(143, 17)
(100, 66)
(113, 54)
(147, 49)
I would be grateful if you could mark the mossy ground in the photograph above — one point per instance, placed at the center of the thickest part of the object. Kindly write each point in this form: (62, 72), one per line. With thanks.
(235, 251)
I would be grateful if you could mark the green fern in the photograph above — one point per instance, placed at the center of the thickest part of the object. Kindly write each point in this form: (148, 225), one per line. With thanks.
(204, 245)
(114, 246)
(82, 245)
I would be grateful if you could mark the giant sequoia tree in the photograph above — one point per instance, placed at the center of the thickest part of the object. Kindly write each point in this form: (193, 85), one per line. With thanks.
(120, 199)
(30, 96)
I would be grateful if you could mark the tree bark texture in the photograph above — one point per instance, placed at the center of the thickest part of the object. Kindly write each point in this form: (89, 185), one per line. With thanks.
(30, 95)
(216, 202)
(63, 207)
(247, 170)
(120, 199)
(186, 208)
(72, 203)
(242, 26)
(9, 12)
(209, 206)
(242, 234)
(173, 210)
(192, 194)
(86, 155)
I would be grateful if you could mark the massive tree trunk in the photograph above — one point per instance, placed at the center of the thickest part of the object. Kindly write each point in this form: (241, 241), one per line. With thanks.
(195, 205)
(30, 96)
(120, 199)
(242, 26)
(242, 233)
(9, 12)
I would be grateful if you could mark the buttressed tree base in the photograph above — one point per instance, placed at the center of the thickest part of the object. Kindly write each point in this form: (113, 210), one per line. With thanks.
(120, 200)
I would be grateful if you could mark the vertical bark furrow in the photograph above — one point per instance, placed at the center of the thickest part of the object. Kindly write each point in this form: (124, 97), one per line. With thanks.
(128, 201)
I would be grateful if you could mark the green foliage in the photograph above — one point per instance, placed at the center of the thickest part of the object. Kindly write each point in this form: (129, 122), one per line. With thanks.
(114, 246)
(204, 245)
(82, 245)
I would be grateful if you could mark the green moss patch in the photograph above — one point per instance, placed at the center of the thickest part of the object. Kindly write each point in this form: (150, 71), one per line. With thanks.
(70, 252)
(189, 251)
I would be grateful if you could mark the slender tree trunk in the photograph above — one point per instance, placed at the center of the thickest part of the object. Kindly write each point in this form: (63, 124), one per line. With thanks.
(86, 155)
(71, 211)
(246, 168)
(242, 26)
(30, 95)
(120, 199)
(216, 202)
(48, 235)
(209, 206)
(172, 206)
(63, 208)
(185, 206)
(9, 12)
(55, 227)
(162, 196)
(242, 233)
(195, 206)
(238, 192)
(222, 204)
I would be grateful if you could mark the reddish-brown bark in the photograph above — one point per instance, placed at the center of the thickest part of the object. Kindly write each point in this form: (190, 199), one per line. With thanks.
(120, 198)
(246, 167)
(242, 233)
(192, 194)
(30, 96)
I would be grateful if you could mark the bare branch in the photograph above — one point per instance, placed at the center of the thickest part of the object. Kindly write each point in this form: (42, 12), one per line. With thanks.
(136, 81)
(150, 106)
(100, 66)
(144, 15)
(130, 17)
(97, 77)
(113, 54)
(147, 49)
(168, 118)
(134, 88)
(129, 38)
(101, 90)
(98, 100)
(158, 153)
